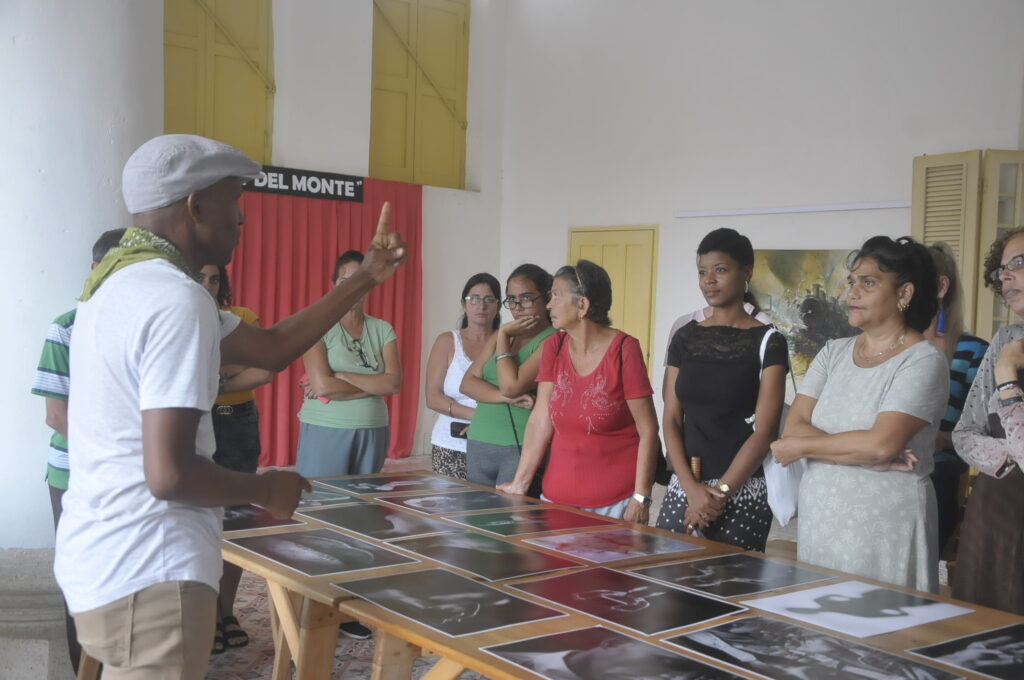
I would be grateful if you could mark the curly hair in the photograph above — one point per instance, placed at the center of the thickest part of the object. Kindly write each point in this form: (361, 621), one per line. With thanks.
(994, 259)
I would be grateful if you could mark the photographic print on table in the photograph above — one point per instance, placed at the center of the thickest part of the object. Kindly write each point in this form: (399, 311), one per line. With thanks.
(601, 654)
(997, 653)
(733, 575)
(246, 517)
(608, 546)
(858, 609)
(640, 604)
(321, 551)
(461, 501)
(530, 521)
(448, 603)
(325, 498)
(786, 651)
(379, 521)
(486, 556)
(391, 484)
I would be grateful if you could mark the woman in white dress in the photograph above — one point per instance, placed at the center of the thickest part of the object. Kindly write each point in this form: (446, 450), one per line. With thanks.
(450, 357)
(866, 417)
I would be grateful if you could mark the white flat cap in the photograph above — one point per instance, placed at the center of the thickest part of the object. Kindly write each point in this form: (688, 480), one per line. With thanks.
(170, 167)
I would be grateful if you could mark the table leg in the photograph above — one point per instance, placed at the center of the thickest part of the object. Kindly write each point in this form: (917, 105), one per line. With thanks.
(318, 638)
(392, 657)
(445, 669)
(282, 668)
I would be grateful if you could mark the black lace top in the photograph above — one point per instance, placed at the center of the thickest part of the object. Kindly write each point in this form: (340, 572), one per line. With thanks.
(719, 377)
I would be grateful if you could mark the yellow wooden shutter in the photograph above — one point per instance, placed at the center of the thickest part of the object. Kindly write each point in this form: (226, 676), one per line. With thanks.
(418, 97)
(218, 79)
(945, 208)
(1002, 208)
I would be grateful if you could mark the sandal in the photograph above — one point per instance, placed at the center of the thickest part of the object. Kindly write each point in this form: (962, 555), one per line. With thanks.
(218, 639)
(234, 636)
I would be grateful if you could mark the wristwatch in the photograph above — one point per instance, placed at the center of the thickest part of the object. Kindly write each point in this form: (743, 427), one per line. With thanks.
(643, 500)
(724, 488)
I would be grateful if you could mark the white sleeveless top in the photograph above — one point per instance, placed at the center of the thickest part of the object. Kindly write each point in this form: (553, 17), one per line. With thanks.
(442, 434)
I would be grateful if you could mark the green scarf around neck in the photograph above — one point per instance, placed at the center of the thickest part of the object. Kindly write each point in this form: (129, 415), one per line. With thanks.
(137, 245)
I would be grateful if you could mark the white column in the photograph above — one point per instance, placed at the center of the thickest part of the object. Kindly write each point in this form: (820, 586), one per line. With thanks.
(81, 86)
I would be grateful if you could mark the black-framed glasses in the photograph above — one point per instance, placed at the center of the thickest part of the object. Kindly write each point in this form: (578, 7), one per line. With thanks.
(486, 300)
(1011, 266)
(356, 347)
(524, 301)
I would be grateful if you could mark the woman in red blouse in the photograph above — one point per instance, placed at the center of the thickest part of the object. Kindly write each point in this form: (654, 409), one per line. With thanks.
(593, 406)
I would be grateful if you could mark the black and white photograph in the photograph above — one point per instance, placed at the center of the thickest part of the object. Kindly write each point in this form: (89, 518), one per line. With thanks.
(247, 517)
(733, 575)
(322, 551)
(391, 484)
(325, 498)
(531, 521)
(601, 654)
(639, 604)
(608, 546)
(379, 521)
(786, 651)
(448, 603)
(858, 609)
(463, 501)
(486, 556)
(997, 653)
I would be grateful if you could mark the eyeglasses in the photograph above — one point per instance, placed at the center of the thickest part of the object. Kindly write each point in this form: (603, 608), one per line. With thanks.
(475, 300)
(524, 301)
(1011, 266)
(356, 347)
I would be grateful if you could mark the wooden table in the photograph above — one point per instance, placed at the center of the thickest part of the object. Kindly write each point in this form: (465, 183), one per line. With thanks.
(307, 610)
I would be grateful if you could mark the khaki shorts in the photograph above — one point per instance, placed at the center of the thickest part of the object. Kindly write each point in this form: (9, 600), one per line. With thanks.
(163, 632)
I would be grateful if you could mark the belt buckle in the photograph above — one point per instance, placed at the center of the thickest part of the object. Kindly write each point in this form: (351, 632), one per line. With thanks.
(222, 410)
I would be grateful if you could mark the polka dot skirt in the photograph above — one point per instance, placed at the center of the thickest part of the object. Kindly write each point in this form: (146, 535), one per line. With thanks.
(745, 522)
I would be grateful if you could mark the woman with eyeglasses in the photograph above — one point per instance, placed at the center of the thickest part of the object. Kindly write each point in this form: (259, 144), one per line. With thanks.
(594, 406)
(990, 437)
(503, 379)
(344, 420)
(450, 357)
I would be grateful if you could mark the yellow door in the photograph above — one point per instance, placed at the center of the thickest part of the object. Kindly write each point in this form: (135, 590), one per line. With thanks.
(628, 254)
(1002, 209)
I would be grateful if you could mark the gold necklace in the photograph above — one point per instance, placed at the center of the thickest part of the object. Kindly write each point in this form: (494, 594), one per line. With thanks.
(889, 350)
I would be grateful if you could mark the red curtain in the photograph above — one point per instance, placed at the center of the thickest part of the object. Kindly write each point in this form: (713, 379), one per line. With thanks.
(285, 261)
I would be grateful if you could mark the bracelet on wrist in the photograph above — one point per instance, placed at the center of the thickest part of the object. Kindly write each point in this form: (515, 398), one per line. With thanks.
(450, 404)
(503, 355)
(1008, 385)
(1015, 399)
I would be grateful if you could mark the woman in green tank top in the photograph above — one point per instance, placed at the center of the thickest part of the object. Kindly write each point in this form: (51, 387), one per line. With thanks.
(503, 379)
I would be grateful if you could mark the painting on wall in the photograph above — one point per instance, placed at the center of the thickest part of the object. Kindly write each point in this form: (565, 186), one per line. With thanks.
(804, 293)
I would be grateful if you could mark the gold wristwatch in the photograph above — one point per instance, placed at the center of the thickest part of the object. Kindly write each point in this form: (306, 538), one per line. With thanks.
(724, 488)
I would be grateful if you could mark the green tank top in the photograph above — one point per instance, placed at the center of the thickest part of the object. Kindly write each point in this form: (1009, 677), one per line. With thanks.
(493, 423)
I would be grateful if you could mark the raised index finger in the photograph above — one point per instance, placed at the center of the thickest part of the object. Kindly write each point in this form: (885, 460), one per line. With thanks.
(383, 222)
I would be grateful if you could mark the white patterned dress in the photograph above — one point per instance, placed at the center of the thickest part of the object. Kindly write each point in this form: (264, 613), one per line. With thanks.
(881, 525)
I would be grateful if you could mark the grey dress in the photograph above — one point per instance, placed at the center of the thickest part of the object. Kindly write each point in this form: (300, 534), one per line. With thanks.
(881, 525)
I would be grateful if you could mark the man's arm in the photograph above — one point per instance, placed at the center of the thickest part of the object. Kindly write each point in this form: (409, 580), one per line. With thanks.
(57, 415)
(276, 347)
(174, 472)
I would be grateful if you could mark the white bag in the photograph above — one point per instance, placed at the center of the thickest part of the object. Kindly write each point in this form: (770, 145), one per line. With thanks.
(783, 482)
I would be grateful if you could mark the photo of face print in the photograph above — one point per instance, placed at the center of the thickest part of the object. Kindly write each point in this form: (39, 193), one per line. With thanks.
(530, 521)
(616, 544)
(784, 651)
(601, 654)
(639, 604)
(733, 575)
(447, 603)
(858, 609)
(997, 653)
(463, 501)
(325, 498)
(379, 521)
(246, 517)
(374, 484)
(321, 551)
(491, 558)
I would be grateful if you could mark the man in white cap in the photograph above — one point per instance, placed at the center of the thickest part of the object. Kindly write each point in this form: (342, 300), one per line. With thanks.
(138, 546)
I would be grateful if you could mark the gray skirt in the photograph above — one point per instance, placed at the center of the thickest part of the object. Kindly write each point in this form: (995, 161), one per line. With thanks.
(332, 451)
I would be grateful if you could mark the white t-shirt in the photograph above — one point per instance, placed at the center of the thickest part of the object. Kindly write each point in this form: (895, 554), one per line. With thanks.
(149, 338)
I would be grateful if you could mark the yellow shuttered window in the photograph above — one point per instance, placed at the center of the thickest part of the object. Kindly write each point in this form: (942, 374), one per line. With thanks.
(218, 76)
(418, 98)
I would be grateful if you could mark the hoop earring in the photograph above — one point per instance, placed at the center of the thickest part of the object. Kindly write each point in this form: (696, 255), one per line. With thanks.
(746, 287)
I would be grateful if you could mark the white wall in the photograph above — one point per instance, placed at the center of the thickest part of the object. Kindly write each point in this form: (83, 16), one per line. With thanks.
(83, 87)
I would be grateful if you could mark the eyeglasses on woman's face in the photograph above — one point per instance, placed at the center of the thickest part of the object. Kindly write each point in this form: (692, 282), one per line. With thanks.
(524, 301)
(485, 300)
(1011, 266)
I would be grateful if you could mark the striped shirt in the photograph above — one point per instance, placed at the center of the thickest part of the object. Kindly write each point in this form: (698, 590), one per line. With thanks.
(966, 359)
(53, 378)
